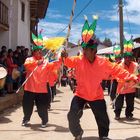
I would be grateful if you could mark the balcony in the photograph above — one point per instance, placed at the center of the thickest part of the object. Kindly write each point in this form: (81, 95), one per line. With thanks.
(4, 25)
(38, 9)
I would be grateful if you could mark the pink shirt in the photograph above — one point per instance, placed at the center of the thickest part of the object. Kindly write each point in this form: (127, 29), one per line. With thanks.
(90, 75)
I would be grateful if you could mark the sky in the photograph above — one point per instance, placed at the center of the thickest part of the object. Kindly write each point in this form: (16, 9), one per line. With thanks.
(58, 15)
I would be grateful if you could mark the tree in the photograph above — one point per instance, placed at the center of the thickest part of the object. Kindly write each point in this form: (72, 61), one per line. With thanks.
(107, 42)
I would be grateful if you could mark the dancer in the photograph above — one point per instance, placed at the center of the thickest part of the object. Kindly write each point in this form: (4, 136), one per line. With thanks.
(35, 89)
(127, 92)
(90, 69)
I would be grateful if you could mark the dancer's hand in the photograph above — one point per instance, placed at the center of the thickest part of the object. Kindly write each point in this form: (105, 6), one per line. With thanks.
(64, 54)
(40, 61)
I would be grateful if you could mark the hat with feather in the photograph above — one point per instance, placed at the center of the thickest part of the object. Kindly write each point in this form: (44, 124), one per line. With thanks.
(38, 41)
(128, 46)
(88, 34)
(117, 51)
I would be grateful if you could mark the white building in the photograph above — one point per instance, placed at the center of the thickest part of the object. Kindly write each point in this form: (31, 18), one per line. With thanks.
(18, 18)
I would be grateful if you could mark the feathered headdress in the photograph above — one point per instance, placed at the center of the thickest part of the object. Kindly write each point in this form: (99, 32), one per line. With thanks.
(128, 46)
(117, 51)
(88, 33)
(53, 43)
(38, 41)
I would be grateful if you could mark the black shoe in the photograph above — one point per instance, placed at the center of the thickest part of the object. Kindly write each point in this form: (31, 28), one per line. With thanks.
(79, 137)
(117, 118)
(129, 118)
(44, 124)
(104, 138)
(49, 108)
(25, 123)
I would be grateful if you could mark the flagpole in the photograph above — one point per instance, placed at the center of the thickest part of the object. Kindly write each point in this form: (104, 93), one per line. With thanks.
(70, 23)
(121, 24)
(67, 37)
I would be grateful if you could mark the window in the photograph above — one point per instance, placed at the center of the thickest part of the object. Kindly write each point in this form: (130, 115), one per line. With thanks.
(22, 11)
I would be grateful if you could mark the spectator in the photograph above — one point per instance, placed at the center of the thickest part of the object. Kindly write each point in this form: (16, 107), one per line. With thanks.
(3, 48)
(10, 66)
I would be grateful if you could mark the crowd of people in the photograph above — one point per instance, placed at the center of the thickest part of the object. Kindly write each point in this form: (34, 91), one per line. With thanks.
(13, 60)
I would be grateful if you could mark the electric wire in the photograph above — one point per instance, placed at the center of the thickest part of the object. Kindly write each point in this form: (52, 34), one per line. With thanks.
(75, 17)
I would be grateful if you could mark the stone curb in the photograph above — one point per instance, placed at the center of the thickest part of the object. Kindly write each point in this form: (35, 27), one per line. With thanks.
(9, 100)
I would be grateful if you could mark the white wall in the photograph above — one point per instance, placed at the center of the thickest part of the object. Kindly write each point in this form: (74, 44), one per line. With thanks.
(4, 35)
(19, 31)
(13, 22)
(74, 51)
(24, 26)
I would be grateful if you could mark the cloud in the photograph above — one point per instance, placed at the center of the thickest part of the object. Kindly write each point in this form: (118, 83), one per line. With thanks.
(111, 33)
(53, 29)
(131, 12)
(133, 5)
(58, 27)
(54, 14)
(114, 35)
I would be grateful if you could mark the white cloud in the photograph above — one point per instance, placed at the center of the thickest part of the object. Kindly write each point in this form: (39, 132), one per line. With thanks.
(131, 12)
(52, 29)
(111, 33)
(114, 35)
(54, 14)
(133, 5)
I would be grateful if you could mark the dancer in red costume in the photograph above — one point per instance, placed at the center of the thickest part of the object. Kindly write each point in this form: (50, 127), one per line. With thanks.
(35, 89)
(90, 70)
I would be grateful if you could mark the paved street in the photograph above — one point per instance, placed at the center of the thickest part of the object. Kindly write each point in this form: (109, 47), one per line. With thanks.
(11, 129)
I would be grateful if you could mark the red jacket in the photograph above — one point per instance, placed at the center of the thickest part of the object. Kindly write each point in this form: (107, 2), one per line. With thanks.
(10, 65)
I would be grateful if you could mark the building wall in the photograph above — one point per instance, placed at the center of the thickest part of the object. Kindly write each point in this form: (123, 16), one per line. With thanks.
(4, 35)
(19, 31)
(13, 23)
(24, 26)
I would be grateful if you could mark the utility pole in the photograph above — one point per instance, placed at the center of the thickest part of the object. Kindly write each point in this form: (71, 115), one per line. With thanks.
(121, 24)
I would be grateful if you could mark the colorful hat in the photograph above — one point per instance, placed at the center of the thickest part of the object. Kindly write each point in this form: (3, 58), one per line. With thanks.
(38, 41)
(34, 48)
(128, 46)
(117, 51)
(88, 32)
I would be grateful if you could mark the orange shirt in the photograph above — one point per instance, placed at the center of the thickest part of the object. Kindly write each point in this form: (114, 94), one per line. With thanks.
(37, 83)
(90, 75)
(53, 76)
(127, 87)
